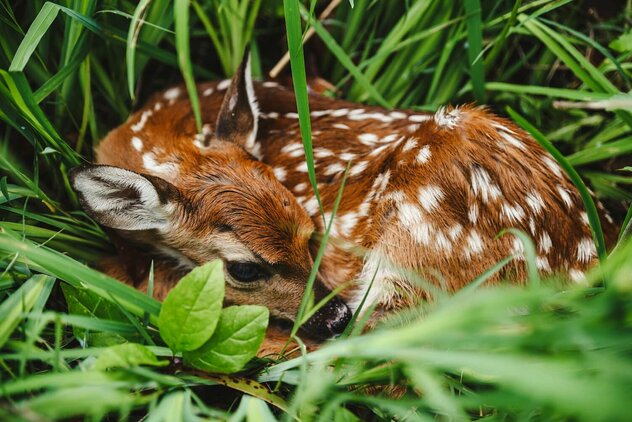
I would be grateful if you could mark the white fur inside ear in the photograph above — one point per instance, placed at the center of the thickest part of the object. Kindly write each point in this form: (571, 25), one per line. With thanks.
(121, 199)
(254, 105)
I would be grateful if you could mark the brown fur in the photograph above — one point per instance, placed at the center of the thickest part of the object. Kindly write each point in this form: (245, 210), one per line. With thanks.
(523, 191)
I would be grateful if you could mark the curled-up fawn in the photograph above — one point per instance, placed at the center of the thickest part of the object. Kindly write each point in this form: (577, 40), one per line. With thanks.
(426, 196)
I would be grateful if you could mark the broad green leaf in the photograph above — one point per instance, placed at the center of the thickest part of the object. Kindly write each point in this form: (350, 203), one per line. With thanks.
(623, 43)
(21, 301)
(191, 310)
(236, 340)
(127, 355)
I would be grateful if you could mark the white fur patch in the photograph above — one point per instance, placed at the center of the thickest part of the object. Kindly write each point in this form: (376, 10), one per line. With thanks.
(429, 197)
(207, 92)
(410, 144)
(576, 275)
(535, 202)
(545, 242)
(222, 85)
(512, 140)
(474, 245)
(552, 165)
(137, 143)
(566, 197)
(358, 168)
(341, 126)
(142, 121)
(270, 84)
(172, 94)
(368, 139)
(513, 213)
(586, 250)
(424, 154)
(420, 118)
(280, 173)
(483, 186)
(167, 169)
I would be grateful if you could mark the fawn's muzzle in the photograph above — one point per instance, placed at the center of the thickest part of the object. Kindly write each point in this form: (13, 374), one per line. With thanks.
(330, 320)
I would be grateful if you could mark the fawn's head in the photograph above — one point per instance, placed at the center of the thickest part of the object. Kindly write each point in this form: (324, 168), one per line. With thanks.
(223, 204)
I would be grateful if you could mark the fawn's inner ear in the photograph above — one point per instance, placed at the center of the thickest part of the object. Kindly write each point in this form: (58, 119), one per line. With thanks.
(122, 199)
(238, 117)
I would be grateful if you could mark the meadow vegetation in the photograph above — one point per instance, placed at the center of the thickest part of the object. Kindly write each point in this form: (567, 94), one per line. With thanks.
(76, 344)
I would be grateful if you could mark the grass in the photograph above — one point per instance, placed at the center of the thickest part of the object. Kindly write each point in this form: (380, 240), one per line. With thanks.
(71, 71)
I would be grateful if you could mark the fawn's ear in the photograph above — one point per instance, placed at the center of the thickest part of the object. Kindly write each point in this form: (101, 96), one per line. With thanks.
(238, 117)
(122, 199)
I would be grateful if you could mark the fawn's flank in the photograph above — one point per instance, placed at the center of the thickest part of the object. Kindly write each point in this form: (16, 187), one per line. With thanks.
(426, 196)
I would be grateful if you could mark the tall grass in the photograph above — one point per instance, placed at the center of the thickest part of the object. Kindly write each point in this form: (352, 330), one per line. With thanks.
(70, 71)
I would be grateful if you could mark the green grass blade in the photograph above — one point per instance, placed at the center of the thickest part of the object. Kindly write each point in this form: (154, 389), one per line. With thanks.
(475, 48)
(299, 78)
(181, 16)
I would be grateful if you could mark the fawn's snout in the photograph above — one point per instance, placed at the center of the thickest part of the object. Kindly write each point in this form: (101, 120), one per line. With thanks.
(330, 320)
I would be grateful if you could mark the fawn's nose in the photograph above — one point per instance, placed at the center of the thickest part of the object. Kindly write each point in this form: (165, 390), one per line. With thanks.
(330, 320)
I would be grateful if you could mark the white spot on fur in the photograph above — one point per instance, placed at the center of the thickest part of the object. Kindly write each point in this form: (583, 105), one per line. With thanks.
(429, 197)
(334, 168)
(291, 115)
(270, 84)
(141, 122)
(151, 164)
(411, 218)
(542, 262)
(347, 156)
(586, 250)
(137, 143)
(341, 126)
(410, 144)
(584, 218)
(293, 147)
(207, 92)
(424, 154)
(311, 206)
(566, 197)
(222, 85)
(358, 168)
(552, 165)
(323, 153)
(340, 112)
(413, 128)
(513, 213)
(280, 173)
(474, 245)
(397, 115)
(419, 118)
(455, 231)
(172, 93)
(545, 242)
(158, 106)
(512, 140)
(368, 138)
(302, 167)
(472, 213)
(535, 202)
(483, 186)
(576, 275)
(301, 187)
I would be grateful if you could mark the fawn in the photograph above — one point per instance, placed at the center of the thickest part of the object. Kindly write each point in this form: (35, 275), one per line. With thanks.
(425, 194)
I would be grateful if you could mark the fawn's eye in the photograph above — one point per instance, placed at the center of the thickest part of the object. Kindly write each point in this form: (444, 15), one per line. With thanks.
(246, 272)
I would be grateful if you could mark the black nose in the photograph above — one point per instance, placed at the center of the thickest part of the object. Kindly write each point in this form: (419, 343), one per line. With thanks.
(330, 320)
